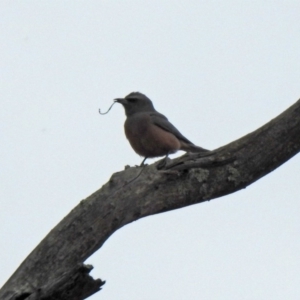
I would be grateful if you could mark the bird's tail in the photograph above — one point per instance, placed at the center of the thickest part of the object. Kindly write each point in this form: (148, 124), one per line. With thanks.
(192, 148)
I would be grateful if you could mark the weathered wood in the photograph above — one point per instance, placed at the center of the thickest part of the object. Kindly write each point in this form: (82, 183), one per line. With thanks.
(55, 270)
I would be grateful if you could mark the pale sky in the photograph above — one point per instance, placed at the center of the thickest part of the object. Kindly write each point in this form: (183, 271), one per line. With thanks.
(217, 69)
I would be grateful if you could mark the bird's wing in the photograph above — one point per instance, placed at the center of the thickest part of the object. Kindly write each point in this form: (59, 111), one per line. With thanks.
(162, 122)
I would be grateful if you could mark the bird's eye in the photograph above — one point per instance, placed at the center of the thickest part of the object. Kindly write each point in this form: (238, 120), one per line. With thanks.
(132, 100)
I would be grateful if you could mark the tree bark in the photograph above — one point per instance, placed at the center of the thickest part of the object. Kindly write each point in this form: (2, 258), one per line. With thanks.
(55, 270)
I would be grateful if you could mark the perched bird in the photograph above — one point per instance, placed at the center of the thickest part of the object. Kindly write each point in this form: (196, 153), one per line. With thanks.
(149, 133)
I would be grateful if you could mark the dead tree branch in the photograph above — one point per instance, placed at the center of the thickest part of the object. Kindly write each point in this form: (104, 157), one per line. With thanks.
(55, 270)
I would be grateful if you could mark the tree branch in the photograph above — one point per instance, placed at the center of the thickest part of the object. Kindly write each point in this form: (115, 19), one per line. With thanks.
(54, 269)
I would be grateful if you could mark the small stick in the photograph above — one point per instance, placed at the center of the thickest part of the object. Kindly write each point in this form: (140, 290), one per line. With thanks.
(107, 110)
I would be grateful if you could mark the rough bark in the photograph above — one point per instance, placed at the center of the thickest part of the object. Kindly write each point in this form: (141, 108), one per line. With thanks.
(55, 270)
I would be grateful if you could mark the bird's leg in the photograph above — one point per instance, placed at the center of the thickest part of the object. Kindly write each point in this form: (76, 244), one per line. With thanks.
(143, 162)
(163, 162)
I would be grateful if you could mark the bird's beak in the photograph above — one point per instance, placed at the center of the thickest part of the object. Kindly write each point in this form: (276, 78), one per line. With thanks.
(121, 100)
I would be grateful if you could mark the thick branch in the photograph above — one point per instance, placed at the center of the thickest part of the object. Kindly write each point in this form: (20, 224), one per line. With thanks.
(185, 181)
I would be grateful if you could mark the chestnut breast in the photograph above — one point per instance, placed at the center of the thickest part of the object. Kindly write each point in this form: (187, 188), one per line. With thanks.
(147, 139)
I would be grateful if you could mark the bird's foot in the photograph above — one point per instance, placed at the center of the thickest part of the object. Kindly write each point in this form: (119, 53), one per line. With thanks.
(141, 165)
(162, 163)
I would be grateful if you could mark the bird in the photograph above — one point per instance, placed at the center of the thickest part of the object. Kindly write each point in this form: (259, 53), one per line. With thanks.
(149, 132)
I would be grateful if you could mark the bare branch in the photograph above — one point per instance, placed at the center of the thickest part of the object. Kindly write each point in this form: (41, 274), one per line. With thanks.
(187, 180)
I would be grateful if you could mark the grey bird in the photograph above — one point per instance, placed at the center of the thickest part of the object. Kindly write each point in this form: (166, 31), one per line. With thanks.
(149, 132)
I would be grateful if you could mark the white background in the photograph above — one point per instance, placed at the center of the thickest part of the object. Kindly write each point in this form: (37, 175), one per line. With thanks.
(217, 69)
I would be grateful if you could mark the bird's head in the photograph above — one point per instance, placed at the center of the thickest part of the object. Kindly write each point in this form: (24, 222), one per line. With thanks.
(136, 102)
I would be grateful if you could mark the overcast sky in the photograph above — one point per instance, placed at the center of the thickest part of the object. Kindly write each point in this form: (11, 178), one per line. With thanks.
(217, 69)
